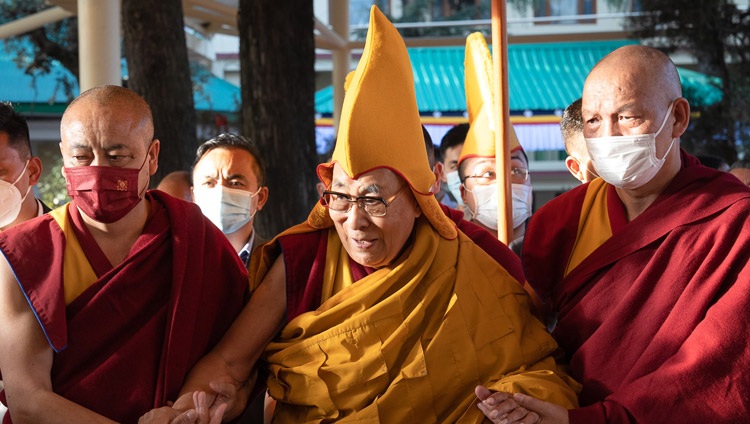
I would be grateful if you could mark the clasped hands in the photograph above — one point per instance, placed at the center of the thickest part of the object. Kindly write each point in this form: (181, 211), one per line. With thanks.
(508, 408)
(197, 407)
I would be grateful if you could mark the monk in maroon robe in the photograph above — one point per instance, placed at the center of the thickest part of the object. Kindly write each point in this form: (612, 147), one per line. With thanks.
(109, 300)
(648, 267)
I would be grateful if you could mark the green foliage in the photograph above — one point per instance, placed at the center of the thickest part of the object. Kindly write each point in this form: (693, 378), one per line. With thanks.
(717, 34)
(36, 50)
(51, 185)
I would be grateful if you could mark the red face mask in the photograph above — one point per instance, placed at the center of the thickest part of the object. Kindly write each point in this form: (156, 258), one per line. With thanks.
(104, 193)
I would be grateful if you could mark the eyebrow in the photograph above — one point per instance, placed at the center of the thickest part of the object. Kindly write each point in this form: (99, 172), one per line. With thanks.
(372, 188)
(236, 177)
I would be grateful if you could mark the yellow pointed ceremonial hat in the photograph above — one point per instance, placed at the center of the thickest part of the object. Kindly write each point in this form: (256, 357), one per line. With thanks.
(480, 140)
(380, 125)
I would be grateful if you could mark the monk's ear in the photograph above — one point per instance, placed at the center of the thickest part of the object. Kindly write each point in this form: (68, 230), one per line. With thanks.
(574, 167)
(681, 117)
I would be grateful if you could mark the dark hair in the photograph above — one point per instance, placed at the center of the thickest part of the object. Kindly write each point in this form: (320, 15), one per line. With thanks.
(712, 161)
(13, 124)
(234, 141)
(571, 123)
(454, 137)
(429, 146)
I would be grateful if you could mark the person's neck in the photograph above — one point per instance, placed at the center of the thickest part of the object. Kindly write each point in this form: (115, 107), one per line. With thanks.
(117, 238)
(239, 238)
(636, 201)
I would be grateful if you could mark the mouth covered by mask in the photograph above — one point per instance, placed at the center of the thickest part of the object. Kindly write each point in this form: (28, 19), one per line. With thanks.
(486, 200)
(104, 193)
(628, 161)
(11, 199)
(454, 186)
(228, 208)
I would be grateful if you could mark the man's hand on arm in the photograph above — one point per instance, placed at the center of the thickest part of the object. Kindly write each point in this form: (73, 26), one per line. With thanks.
(26, 361)
(227, 371)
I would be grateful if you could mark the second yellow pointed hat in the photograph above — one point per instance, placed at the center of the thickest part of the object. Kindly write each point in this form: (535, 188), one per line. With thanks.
(480, 140)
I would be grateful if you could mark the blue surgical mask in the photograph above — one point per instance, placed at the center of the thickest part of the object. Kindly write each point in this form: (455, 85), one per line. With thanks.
(454, 186)
(228, 208)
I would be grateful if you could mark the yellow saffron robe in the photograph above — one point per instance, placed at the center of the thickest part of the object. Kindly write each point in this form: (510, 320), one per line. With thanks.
(411, 341)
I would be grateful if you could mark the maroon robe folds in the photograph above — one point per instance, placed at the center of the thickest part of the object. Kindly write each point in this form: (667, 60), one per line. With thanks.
(124, 346)
(654, 322)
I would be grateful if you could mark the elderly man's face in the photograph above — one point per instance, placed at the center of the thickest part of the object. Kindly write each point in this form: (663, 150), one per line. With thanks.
(616, 103)
(108, 136)
(374, 241)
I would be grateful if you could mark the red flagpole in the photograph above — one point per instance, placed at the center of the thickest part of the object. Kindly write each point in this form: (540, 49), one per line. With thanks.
(502, 120)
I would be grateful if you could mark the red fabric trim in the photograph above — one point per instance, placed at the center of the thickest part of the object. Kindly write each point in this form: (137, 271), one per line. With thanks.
(618, 217)
(304, 262)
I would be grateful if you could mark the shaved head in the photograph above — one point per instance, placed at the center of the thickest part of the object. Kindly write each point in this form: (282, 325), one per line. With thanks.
(112, 100)
(643, 72)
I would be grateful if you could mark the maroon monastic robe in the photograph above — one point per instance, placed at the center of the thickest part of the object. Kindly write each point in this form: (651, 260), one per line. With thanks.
(654, 322)
(124, 345)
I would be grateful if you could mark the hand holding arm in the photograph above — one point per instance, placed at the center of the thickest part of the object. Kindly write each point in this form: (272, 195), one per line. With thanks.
(228, 368)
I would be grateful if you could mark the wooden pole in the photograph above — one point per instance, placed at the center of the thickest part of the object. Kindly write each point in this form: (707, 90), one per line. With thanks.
(502, 121)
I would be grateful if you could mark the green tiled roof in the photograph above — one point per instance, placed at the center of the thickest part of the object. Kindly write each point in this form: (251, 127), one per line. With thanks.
(542, 77)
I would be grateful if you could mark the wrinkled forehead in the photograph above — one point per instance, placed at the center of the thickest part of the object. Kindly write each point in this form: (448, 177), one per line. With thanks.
(89, 121)
(379, 180)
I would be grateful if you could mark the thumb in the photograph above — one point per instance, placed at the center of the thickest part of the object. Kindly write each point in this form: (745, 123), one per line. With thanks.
(482, 392)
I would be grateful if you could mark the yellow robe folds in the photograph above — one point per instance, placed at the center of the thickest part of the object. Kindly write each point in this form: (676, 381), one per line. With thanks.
(410, 342)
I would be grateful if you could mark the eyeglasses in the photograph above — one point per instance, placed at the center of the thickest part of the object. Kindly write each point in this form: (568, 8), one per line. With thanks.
(342, 202)
(517, 176)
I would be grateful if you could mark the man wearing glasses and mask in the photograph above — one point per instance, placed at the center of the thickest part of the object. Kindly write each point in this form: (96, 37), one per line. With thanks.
(386, 312)
(229, 186)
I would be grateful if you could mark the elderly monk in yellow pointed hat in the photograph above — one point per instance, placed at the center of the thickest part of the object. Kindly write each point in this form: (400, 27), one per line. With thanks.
(476, 163)
(387, 313)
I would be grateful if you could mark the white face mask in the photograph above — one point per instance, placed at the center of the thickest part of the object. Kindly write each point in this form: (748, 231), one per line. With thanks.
(628, 161)
(454, 186)
(228, 208)
(486, 199)
(11, 199)
(521, 204)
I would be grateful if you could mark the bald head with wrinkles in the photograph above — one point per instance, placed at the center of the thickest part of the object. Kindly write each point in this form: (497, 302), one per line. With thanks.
(110, 104)
(629, 92)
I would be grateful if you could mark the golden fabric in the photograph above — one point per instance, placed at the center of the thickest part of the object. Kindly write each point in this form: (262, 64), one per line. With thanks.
(411, 341)
(78, 275)
(593, 226)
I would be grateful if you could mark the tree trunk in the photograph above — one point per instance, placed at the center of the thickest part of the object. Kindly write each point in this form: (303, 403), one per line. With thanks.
(277, 55)
(158, 70)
